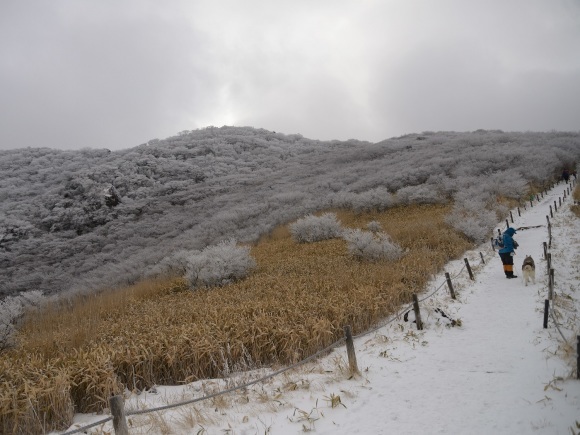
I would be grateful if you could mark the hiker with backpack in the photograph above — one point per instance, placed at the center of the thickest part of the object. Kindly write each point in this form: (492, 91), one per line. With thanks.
(507, 252)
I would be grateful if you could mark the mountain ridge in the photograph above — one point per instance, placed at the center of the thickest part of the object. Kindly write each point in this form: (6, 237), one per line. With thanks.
(197, 188)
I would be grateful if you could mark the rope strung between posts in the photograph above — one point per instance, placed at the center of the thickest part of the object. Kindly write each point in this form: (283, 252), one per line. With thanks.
(403, 310)
(211, 396)
(278, 372)
(556, 323)
(551, 311)
(84, 428)
(381, 325)
(239, 387)
(439, 288)
(408, 307)
(271, 375)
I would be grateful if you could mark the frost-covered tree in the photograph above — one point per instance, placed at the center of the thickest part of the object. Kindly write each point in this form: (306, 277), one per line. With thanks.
(218, 265)
(58, 232)
(374, 226)
(12, 309)
(313, 228)
(421, 194)
(375, 199)
(366, 245)
(475, 225)
(172, 265)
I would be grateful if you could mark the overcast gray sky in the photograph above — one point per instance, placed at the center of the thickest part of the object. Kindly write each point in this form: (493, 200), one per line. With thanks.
(117, 73)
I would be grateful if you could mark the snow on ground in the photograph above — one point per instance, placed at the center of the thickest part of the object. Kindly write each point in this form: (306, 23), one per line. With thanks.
(498, 372)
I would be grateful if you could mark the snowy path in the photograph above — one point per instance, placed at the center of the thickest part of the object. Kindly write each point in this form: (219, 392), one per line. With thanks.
(499, 372)
(487, 376)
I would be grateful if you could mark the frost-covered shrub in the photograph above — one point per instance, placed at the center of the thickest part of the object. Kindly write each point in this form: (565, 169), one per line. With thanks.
(471, 202)
(220, 264)
(173, 265)
(374, 226)
(506, 183)
(475, 225)
(442, 184)
(474, 198)
(203, 186)
(342, 199)
(12, 309)
(374, 199)
(421, 194)
(365, 245)
(315, 228)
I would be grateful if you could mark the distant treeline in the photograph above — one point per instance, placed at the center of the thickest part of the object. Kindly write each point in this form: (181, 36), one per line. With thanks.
(82, 220)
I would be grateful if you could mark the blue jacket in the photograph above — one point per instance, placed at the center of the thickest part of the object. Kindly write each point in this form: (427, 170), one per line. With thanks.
(508, 241)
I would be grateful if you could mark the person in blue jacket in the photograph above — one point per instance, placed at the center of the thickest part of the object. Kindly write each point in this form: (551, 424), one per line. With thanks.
(508, 251)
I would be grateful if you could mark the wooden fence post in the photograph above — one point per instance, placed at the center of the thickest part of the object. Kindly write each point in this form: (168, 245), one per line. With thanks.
(578, 356)
(548, 262)
(482, 259)
(352, 365)
(551, 214)
(531, 203)
(507, 224)
(555, 206)
(519, 212)
(560, 201)
(450, 285)
(469, 269)
(417, 312)
(511, 216)
(492, 246)
(545, 250)
(551, 285)
(118, 411)
(546, 310)
(548, 219)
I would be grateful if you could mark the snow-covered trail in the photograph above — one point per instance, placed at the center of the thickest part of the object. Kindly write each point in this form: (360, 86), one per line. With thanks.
(488, 376)
(499, 372)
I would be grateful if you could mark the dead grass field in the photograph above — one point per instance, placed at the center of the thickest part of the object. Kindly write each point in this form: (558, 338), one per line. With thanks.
(72, 358)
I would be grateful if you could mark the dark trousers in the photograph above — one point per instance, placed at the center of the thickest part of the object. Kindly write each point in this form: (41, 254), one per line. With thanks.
(508, 264)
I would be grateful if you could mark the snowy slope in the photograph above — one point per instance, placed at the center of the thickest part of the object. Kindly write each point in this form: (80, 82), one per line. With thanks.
(498, 372)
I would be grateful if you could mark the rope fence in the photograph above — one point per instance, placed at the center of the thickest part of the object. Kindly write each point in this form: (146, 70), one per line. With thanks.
(116, 402)
(549, 309)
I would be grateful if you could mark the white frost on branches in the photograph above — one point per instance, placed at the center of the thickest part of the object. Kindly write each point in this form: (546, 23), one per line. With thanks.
(475, 224)
(315, 228)
(374, 226)
(220, 264)
(365, 245)
(12, 310)
(199, 187)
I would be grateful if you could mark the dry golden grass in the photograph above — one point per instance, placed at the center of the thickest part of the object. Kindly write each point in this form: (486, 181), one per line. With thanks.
(536, 188)
(295, 303)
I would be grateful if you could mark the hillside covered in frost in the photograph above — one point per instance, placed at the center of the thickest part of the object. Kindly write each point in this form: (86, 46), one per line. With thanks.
(84, 220)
